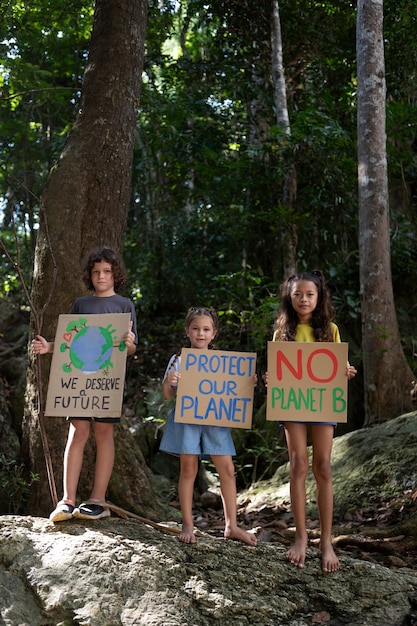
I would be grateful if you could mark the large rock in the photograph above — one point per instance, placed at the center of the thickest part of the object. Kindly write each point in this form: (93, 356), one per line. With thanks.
(370, 467)
(116, 572)
(122, 572)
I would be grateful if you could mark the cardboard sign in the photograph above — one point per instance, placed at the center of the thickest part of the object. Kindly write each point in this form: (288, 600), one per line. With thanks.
(88, 366)
(216, 388)
(307, 382)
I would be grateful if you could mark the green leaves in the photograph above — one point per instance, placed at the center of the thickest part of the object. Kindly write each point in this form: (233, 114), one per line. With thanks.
(44, 50)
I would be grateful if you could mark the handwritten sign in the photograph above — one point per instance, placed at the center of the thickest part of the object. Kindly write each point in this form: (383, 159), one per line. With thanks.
(88, 366)
(307, 382)
(216, 388)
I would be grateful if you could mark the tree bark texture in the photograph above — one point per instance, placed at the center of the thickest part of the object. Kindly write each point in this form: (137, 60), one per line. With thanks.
(387, 377)
(84, 205)
(289, 194)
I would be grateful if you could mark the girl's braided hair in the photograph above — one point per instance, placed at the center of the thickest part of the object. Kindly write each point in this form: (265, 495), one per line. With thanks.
(287, 319)
(192, 313)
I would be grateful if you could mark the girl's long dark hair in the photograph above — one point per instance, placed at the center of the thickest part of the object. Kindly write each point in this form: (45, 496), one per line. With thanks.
(194, 312)
(323, 314)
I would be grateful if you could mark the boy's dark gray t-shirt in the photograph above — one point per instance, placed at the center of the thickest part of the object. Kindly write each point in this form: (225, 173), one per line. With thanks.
(96, 305)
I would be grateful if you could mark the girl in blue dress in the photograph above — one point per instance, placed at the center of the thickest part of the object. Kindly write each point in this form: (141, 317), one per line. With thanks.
(193, 441)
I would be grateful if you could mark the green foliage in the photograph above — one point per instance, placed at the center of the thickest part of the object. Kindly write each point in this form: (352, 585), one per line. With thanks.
(264, 450)
(207, 223)
(400, 19)
(19, 254)
(14, 487)
(158, 407)
(43, 54)
(207, 220)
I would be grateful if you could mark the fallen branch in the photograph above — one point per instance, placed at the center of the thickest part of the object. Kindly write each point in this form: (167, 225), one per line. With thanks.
(378, 545)
(127, 514)
(169, 530)
(37, 317)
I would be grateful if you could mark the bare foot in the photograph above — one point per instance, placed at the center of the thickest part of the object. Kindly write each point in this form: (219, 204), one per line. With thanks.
(329, 560)
(187, 534)
(297, 553)
(240, 535)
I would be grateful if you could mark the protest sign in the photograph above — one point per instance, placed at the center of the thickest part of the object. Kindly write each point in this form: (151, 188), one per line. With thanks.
(216, 388)
(307, 382)
(88, 366)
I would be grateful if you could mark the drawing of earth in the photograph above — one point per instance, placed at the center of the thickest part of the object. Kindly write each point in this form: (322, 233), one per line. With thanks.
(91, 349)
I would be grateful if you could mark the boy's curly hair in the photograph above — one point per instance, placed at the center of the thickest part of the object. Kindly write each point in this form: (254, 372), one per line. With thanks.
(108, 255)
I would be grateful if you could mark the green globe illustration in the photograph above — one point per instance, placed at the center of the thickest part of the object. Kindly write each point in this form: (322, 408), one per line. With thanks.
(91, 349)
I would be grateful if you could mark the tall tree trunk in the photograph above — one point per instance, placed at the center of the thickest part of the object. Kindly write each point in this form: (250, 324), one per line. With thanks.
(84, 205)
(387, 377)
(289, 195)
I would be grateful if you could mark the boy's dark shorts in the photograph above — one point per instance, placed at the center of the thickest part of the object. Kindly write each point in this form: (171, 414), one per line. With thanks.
(105, 420)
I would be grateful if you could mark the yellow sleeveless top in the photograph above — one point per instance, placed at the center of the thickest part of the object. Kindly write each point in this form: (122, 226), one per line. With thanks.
(304, 333)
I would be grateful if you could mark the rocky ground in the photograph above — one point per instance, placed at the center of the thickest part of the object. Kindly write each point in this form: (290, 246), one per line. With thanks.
(116, 572)
(375, 498)
(365, 534)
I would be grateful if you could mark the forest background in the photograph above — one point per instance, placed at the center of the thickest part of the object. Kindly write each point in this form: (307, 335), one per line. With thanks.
(209, 221)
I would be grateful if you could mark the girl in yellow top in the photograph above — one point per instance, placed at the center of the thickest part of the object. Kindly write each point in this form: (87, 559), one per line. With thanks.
(305, 315)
